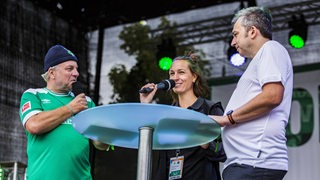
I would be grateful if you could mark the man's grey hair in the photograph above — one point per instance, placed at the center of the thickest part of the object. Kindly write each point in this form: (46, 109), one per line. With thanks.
(45, 75)
(260, 17)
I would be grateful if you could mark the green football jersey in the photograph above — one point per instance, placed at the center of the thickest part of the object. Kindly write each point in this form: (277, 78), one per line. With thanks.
(60, 154)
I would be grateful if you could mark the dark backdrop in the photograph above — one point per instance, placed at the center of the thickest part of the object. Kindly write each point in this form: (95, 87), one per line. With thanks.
(26, 33)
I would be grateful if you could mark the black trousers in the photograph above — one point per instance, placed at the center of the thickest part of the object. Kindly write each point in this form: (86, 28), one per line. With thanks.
(246, 172)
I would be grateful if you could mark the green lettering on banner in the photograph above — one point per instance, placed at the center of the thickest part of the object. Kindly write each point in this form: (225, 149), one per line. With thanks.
(304, 98)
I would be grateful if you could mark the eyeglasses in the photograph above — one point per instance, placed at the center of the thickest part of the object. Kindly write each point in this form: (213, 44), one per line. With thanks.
(184, 58)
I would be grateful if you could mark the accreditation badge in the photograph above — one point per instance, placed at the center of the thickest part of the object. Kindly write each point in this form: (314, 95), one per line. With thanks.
(176, 167)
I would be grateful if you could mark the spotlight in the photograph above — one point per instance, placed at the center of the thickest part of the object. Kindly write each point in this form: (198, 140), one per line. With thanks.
(298, 34)
(165, 63)
(165, 52)
(59, 6)
(237, 60)
(143, 22)
(234, 57)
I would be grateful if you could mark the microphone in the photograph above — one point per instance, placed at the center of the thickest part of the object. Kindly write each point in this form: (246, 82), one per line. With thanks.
(163, 85)
(77, 88)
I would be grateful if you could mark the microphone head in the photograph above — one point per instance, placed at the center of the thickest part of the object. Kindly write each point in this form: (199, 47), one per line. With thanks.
(166, 84)
(77, 88)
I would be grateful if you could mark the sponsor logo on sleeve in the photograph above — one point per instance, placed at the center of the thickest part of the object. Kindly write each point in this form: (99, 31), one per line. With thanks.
(26, 107)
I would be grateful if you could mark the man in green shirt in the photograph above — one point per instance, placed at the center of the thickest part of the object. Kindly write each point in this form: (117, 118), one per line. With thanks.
(55, 149)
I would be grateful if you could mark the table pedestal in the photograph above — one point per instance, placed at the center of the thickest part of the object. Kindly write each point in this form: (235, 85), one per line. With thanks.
(144, 170)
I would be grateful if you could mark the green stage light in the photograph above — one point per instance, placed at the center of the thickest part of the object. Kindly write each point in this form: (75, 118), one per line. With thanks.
(166, 50)
(296, 41)
(1, 173)
(298, 34)
(165, 63)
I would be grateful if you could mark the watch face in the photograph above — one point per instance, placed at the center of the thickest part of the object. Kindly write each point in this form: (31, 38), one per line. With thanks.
(230, 112)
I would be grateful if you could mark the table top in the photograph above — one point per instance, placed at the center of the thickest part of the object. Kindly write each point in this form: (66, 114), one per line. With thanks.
(174, 127)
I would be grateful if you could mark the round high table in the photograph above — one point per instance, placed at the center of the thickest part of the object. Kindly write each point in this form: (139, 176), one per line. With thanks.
(146, 127)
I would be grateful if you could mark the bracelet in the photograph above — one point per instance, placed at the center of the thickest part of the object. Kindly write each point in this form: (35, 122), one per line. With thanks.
(229, 115)
(70, 109)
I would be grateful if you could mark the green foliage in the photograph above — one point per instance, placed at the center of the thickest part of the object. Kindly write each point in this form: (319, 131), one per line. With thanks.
(1, 173)
(138, 41)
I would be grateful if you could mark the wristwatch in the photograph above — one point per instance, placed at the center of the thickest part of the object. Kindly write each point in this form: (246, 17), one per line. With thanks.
(229, 115)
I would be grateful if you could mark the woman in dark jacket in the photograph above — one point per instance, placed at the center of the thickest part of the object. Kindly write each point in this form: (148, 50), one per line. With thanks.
(200, 162)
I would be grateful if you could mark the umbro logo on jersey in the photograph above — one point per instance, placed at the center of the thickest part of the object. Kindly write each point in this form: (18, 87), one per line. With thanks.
(26, 107)
(45, 101)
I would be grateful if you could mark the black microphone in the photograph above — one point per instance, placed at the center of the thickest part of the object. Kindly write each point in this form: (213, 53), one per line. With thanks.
(77, 88)
(163, 85)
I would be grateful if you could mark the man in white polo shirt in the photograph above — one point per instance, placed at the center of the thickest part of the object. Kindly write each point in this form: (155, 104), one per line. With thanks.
(253, 132)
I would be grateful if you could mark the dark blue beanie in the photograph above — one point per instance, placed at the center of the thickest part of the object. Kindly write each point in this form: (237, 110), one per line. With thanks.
(57, 54)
